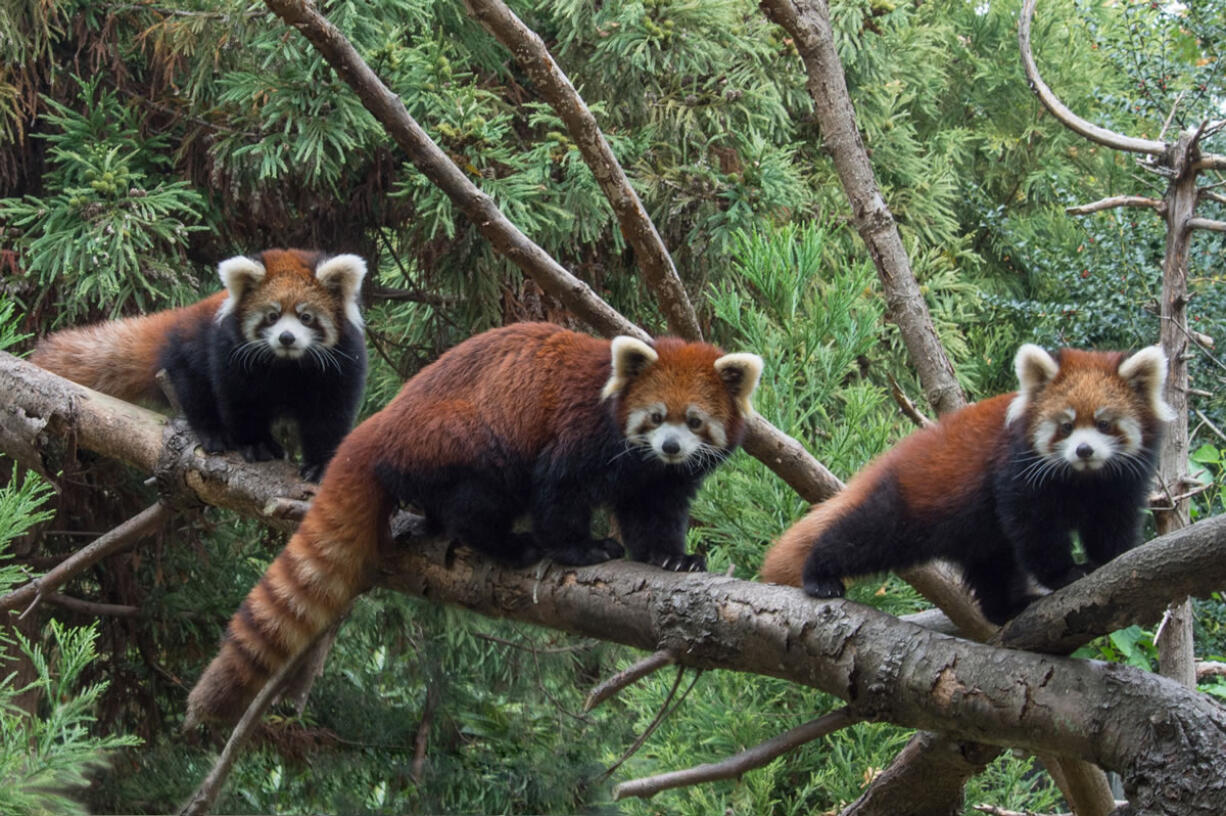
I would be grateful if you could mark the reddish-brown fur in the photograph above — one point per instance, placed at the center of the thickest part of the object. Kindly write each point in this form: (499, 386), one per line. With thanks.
(525, 394)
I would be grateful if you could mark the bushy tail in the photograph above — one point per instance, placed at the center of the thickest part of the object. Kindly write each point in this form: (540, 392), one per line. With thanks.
(325, 565)
(119, 357)
(785, 560)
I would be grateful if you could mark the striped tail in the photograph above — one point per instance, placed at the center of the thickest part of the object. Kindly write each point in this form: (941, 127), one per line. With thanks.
(325, 565)
(785, 560)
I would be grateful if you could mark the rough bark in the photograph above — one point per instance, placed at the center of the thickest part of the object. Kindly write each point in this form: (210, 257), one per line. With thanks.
(1167, 741)
(808, 23)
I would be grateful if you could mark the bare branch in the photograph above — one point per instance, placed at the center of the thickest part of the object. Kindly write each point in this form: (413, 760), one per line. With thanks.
(907, 406)
(1206, 224)
(665, 710)
(1058, 109)
(121, 538)
(98, 610)
(808, 23)
(1155, 204)
(755, 757)
(628, 677)
(1208, 668)
(656, 264)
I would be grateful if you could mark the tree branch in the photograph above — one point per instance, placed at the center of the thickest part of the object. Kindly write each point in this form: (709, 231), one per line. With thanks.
(628, 676)
(1206, 224)
(1156, 204)
(1167, 741)
(808, 23)
(656, 264)
(755, 757)
(1058, 109)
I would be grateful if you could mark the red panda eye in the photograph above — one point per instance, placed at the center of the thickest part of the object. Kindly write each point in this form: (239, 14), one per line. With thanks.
(1066, 428)
(656, 417)
(1104, 426)
(306, 318)
(271, 317)
(694, 422)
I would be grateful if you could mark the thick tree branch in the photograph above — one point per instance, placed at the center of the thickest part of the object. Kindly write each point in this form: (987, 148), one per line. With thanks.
(808, 23)
(1169, 742)
(637, 228)
(1206, 224)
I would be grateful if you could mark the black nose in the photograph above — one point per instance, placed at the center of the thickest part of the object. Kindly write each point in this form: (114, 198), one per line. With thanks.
(671, 446)
(287, 338)
(1085, 450)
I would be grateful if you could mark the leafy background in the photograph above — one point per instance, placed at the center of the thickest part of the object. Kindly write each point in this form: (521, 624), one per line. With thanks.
(142, 142)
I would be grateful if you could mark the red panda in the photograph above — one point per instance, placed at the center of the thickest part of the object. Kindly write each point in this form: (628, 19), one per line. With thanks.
(283, 340)
(999, 486)
(527, 419)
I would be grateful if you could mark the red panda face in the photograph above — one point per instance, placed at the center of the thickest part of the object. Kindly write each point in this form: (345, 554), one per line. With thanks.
(1091, 411)
(289, 304)
(681, 403)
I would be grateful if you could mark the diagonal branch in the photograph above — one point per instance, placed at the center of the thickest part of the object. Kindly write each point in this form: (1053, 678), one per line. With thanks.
(657, 265)
(761, 754)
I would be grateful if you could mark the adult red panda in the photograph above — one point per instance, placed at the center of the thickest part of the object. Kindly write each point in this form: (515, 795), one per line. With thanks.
(283, 340)
(999, 486)
(527, 419)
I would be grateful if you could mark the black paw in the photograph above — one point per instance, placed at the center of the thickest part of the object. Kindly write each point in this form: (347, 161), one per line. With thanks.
(679, 562)
(213, 443)
(587, 553)
(262, 451)
(824, 588)
(312, 472)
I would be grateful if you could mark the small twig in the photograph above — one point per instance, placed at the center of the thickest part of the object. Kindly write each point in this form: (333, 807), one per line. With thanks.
(747, 760)
(93, 607)
(574, 647)
(907, 406)
(117, 540)
(629, 676)
(168, 390)
(1156, 204)
(663, 713)
(421, 740)
(204, 797)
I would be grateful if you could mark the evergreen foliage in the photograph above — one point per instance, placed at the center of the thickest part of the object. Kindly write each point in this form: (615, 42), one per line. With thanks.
(140, 143)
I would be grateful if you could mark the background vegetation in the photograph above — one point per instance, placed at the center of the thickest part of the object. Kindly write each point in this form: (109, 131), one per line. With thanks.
(141, 142)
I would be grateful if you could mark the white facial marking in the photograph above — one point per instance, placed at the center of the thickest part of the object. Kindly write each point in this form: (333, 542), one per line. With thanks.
(673, 442)
(1086, 449)
(288, 337)
(1130, 429)
(639, 422)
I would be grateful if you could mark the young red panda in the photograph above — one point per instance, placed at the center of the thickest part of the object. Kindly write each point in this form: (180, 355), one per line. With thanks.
(527, 419)
(284, 340)
(999, 486)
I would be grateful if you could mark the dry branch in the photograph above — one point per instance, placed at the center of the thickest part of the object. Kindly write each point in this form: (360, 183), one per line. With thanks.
(808, 23)
(637, 228)
(628, 676)
(755, 757)
(123, 537)
(1156, 204)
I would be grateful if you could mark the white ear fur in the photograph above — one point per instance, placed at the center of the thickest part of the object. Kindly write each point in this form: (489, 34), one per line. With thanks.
(1146, 371)
(630, 356)
(740, 373)
(1035, 368)
(343, 274)
(238, 274)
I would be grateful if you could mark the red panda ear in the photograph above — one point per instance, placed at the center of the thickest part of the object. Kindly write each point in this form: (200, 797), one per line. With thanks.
(1035, 368)
(1145, 371)
(343, 275)
(740, 374)
(238, 274)
(630, 358)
